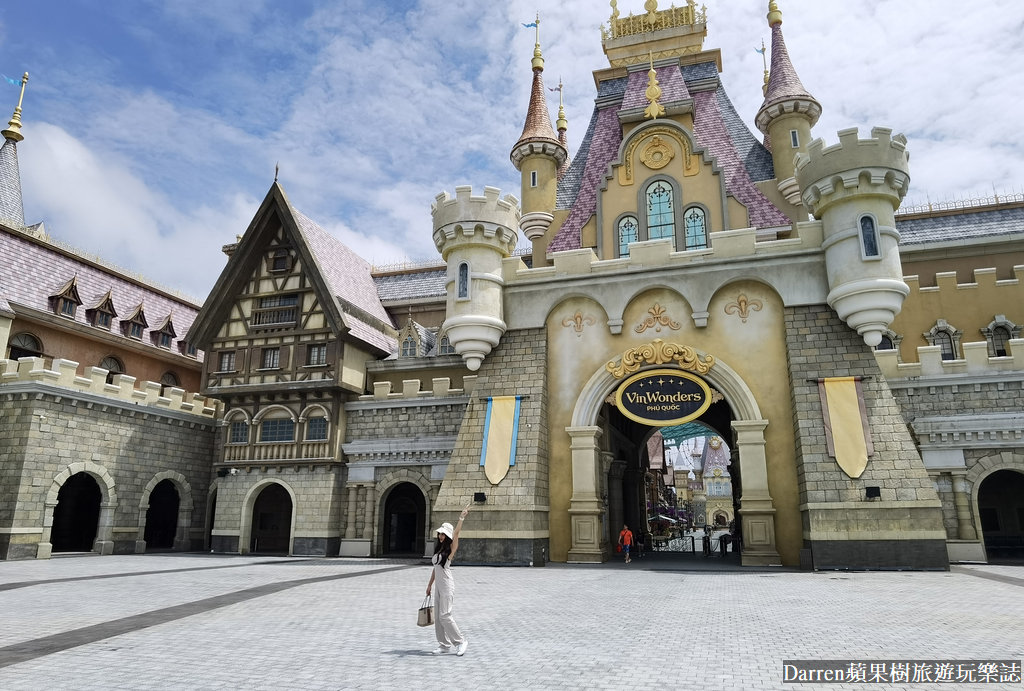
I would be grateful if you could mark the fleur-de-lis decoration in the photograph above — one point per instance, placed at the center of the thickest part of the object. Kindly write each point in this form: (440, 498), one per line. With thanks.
(577, 321)
(658, 319)
(743, 306)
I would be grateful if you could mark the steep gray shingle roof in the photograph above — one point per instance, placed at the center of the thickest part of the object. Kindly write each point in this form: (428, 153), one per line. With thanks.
(418, 284)
(12, 211)
(969, 223)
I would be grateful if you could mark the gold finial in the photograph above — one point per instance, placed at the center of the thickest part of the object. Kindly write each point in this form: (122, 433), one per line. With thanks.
(538, 59)
(13, 130)
(774, 13)
(615, 10)
(652, 11)
(764, 59)
(561, 123)
(653, 92)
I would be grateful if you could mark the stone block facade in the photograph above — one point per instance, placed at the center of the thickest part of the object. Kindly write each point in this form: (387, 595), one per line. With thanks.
(842, 528)
(51, 433)
(511, 527)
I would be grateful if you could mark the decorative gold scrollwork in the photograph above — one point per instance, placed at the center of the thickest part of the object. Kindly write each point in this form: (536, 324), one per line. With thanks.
(577, 321)
(658, 352)
(657, 154)
(743, 306)
(658, 319)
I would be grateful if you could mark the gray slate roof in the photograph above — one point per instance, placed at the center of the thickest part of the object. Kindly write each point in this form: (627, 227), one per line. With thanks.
(968, 223)
(416, 284)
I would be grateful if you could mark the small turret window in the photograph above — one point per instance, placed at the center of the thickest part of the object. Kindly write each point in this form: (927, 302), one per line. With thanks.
(794, 139)
(628, 231)
(869, 237)
(696, 228)
(463, 281)
(533, 178)
(660, 217)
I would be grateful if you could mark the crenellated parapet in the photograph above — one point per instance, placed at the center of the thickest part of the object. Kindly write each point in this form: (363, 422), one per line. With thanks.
(439, 387)
(64, 374)
(854, 167)
(466, 220)
(473, 235)
(976, 362)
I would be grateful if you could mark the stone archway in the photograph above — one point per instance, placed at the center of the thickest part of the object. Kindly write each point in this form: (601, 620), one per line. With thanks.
(183, 523)
(103, 542)
(280, 507)
(757, 511)
(383, 491)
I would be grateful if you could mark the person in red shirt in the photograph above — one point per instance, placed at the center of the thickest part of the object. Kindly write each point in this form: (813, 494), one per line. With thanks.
(626, 540)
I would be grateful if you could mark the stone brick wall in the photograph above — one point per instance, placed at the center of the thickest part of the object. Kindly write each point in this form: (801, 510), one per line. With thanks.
(958, 395)
(404, 418)
(511, 527)
(48, 431)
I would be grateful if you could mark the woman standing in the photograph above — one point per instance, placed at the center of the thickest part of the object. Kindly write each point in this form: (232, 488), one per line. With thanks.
(448, 634)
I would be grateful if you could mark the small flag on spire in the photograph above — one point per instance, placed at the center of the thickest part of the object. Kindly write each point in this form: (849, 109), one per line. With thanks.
(530, 25)
(12, 82)
(760, 50)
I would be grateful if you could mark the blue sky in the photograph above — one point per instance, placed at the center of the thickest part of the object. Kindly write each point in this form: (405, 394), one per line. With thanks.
(152, 128)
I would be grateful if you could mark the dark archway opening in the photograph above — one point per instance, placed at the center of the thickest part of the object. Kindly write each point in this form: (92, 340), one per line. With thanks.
(404, 521)
(211, 520)
(1001, 510)
(162, 516)
(77, 514)
(271, 521)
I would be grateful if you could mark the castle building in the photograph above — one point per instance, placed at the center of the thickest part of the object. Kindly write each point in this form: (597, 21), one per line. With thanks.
(861, 364)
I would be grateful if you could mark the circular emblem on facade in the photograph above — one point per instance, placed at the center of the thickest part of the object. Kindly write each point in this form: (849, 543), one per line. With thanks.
(663, 397)
(657, 154)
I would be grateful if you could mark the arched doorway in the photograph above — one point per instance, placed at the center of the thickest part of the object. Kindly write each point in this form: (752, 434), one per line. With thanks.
(271, 521)
(76, 516)
(1001, 511)
(211, 519)
(162, 516)
(404, 521)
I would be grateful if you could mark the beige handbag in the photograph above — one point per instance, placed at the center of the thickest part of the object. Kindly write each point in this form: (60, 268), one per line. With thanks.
(425, 616)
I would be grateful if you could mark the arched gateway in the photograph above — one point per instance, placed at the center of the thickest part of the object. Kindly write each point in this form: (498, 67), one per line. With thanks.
(587, 509)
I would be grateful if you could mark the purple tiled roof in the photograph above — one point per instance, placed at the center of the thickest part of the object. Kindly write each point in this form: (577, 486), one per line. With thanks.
(783, 82)
(348, 278)
(711, 133)
(31, 271)
(538, 120)
(670, 79)
(604, 145)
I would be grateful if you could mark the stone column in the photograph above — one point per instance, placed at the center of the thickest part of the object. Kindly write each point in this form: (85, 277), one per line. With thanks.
(757, 511)
(369, 499)
(615, 489)
(965, 522)
(350, 520)
(45, 549)
(104, 543)
(585, 508)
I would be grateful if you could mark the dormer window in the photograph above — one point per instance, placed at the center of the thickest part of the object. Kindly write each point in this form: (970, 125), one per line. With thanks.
(101, 320)
(409, 347)
(101, 314)
(135, 323)
(164, 335)
(446, 347)
(66, 301)
(280, 260)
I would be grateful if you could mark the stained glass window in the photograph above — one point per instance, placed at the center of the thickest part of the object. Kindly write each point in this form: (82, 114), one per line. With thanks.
(660, 219)
(628, 232)
(696, 228)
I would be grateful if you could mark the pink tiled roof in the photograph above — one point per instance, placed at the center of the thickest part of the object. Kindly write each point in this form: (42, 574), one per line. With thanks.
(32, 270)
(670, 79)
(711, 133)
(604, 146)
(538, 120)
(348, 278)
(783, 82)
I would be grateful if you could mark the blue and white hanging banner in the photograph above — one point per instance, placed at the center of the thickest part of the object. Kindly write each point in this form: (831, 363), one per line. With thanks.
(501, 430)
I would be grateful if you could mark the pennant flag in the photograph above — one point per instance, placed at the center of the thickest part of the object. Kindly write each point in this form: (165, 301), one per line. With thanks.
(12, 82)
(501, 428)
(760, 50)
(846, 428)
(530, 25)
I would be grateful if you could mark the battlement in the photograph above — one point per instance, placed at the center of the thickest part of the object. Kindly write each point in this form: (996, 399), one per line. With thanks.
(64, 374)
(879, 163)
(983, 278)
(466, 209)
(976, 362)
(440, 387)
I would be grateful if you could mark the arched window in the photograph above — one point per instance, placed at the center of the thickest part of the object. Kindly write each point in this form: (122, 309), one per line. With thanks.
(885, 344)
(168, 381)
(25, 345)
(238, 431)
(1000, 341)
(463, 282)
(409, 347)
(945, 341)
(277, 426)
(946, 336)
(998, 333)
(869, 236)
(660, 216)
(113, 367)
(628, 231)
(696, 228)
(446, 347)
(316, 429)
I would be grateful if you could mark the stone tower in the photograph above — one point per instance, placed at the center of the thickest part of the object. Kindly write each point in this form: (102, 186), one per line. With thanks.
(788, 112)
(538, 156)
(474, 235)
(854, 188)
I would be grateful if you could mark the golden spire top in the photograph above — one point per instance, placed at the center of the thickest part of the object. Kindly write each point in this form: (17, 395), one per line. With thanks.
(13, 130)
(561, 124)
(538, 59)
(764, 59)
(615, 9)
(653, 93)
(774, 13)
(652, 11)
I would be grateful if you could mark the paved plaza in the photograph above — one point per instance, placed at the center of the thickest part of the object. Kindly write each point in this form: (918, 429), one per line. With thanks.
(248, 622)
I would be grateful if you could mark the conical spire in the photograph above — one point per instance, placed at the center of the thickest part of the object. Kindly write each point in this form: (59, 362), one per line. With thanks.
(784, 84)
(12, 210)
(538, 120)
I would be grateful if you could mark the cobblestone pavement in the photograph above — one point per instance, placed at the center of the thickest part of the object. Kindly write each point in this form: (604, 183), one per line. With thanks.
(234, 622)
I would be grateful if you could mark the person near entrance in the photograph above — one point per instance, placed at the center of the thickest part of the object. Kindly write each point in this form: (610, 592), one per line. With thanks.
(445, 628)
(626, 541)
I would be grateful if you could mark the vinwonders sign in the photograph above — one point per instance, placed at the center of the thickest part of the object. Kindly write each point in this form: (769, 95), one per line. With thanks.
(663, 397)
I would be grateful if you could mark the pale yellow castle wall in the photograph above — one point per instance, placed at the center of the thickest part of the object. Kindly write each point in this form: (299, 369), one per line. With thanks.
(575, 354)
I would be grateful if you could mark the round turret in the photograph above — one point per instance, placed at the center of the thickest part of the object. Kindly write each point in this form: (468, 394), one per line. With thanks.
(854, 188)
(474, 235)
